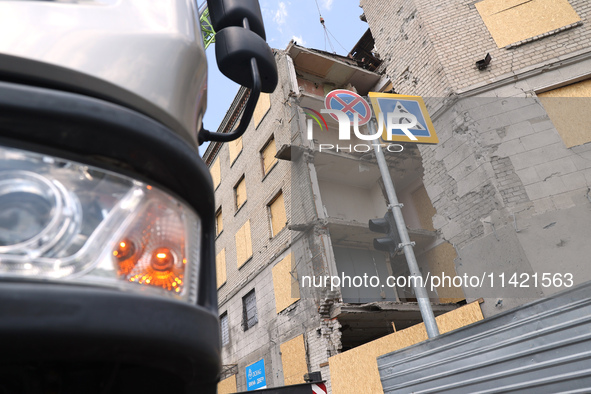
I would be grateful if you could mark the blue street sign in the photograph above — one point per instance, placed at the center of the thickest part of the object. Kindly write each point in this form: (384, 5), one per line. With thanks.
(255, 376)
(404, 110)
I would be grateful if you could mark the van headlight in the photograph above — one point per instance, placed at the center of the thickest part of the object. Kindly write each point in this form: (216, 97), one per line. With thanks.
(70, 222)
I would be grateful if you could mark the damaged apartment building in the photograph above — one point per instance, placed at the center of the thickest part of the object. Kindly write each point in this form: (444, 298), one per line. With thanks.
(505, 191)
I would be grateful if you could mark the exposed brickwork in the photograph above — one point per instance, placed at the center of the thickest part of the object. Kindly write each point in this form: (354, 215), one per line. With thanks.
(509, 184)
(431, 47)
(403, 42)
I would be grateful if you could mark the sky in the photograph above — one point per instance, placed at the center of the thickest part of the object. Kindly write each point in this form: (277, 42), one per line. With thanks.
(286, 20)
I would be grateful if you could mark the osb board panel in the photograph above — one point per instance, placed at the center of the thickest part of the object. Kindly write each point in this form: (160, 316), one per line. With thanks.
(240, 191)
(568, 108)
(215, 173)
(261, 109)
(269, 153)
(440, 261)
(424, 207)
(220, 267)
(511, 21)
(278, 219)
(228, 385)
(243, 244)
(235, 148)
(293, 359)
(285, 284)
(219, 222)
(356, 370)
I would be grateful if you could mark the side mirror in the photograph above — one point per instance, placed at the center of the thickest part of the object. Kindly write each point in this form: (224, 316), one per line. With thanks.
(235, 47)
(242, 55)
(226, 13)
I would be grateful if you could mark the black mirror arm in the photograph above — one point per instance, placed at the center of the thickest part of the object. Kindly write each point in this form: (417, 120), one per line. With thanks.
(255, 92)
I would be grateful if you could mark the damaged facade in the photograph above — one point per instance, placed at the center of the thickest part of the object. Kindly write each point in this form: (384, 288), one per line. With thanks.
(510, 177)
(506, 190)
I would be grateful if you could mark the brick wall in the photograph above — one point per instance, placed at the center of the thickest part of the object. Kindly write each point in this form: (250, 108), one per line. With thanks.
(430, 47)
(404, 44)
(263, 340)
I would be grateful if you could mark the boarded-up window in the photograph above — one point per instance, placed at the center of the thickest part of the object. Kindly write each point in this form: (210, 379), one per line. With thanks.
(568, 108)
(293, 359)
(268, 155)
(224, 328)
(235, 149)
(219, 223)
(228, 385)
(220, 268)
(262, 108)
(215, 173)
(424, 208)
(277, 214)
(512, 21)
(240, 192)
(249, 310)
(285, 283)
(243, 244)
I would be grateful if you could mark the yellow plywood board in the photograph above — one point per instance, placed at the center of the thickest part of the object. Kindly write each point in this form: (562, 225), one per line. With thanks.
(277, 211)
(261, 109)
(220, 267)
(215, 171)
(424, 208)
(268, 153)
(511, 21)
(356, 370)
(240, 191)
(235, 148)
(441, 263)
(285, 283)
(243, 244)
(293, 359)
(228, 385)
(219, 222)
(568, 108)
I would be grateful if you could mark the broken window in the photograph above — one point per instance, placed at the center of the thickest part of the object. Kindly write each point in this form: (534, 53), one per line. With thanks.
(249, 310)
(224, 328)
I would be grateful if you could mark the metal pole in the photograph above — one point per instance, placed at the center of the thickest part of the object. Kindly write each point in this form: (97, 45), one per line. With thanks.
(394, 206)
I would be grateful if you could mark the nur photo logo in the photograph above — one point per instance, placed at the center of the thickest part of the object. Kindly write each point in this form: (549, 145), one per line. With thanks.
(399, 118)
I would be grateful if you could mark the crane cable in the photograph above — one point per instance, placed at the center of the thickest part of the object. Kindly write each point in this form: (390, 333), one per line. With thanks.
(327, 33)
